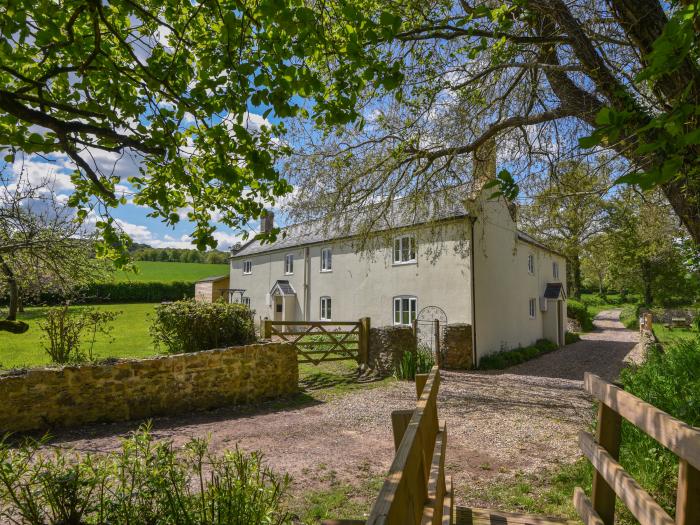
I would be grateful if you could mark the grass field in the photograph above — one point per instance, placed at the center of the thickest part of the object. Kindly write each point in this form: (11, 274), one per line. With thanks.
(131, 338)
(149, 271)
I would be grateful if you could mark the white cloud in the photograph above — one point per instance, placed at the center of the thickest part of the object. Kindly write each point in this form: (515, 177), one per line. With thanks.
(226, 239)
(37, 172)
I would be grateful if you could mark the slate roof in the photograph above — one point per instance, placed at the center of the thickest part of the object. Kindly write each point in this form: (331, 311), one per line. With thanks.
(283, 286)
(213, 279)
(446, 205)
(437, 208)
(554, 291)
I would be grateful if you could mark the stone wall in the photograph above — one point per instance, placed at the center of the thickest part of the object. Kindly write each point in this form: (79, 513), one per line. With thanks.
(456, 346)
(38, 399)
(387, 345)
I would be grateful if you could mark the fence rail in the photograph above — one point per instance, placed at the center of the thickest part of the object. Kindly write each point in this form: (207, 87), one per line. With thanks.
(416, 490)
(321, 341)
(610, 479)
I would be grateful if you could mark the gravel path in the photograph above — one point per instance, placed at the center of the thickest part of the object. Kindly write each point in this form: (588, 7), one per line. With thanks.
(520, 420)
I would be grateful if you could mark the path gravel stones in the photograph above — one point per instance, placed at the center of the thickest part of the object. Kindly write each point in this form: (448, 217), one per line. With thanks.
(522, 419)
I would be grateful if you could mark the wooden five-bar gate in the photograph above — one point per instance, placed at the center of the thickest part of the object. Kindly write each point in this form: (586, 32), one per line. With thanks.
(320, 341)
(417, 491)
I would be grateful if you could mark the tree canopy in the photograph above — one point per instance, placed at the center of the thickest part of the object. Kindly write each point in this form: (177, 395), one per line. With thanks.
(172, 83)
(551, 79)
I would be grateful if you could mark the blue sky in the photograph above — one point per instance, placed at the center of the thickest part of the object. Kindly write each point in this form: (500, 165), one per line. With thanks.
(133, 218)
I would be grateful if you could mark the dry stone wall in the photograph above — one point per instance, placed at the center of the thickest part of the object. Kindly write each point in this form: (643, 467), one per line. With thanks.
(456, 346)
(387, 345)
(39, 399)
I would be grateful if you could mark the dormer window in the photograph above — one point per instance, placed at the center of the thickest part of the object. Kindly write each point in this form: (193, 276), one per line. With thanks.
(405, 249)
(326, 260)
(289, 264)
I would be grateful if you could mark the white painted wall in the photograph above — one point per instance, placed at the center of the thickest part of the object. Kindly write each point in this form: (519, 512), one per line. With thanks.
(364, 284)
(503, 283)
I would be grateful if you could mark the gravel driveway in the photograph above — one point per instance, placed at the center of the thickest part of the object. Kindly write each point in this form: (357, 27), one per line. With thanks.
(519, 420)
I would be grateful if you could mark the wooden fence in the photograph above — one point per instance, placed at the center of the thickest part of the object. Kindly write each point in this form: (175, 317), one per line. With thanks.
(611, 480)
(416, 490)
(319, 341)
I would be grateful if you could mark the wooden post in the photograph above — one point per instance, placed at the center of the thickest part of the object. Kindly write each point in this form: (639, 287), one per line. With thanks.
(648, 321)
(414, 325)
(436, 336)
(608, 437)
(363, 343)
(687, 500)
(399, 423)
(421, 379)
(266, 329)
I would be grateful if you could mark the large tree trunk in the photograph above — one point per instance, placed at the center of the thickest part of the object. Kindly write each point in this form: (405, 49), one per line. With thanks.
(12, 288)
(647, 277)
(574, 274)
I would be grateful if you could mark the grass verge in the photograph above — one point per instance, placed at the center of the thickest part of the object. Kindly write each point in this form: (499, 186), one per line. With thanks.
(509, 358)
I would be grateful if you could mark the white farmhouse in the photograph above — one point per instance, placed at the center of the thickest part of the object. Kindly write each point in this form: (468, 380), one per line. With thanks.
(467, 259)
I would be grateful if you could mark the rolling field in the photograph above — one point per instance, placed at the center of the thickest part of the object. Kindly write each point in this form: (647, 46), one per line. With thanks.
(165, 272)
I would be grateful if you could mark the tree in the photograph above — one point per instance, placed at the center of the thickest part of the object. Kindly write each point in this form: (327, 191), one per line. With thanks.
(569, 211)
(646, 253)
(171, 83)
(42, 247)
(596, 262)
(545, 77)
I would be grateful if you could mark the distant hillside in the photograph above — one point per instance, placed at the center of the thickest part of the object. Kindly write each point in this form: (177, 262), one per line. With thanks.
(171, 271)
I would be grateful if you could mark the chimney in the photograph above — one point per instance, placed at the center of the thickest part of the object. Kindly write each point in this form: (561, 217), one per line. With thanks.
(267, 221)
(235, 248)
(484, 159)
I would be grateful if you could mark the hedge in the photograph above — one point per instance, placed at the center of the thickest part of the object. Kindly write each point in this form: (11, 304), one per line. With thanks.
(190, 326)
(579, 311)
(509, 358)
(124, 292)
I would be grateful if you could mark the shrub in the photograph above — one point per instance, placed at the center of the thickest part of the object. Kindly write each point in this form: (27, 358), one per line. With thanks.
(65, 331)
(670, 380)
(571, 337)
(190, 326)
(630, 316)
(579, 311)
(412, 363)
(145, 482)
(510, 358)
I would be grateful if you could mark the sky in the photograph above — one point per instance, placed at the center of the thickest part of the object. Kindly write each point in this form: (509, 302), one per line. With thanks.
(55, 172)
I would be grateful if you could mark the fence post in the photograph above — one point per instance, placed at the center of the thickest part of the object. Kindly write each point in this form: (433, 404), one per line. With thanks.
(436, 336)
(266, 329)
(648, 321)
(687, 501)
(364, 341)
(608, 437)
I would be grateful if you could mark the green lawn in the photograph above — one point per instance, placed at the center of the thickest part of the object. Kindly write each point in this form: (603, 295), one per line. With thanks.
(667, 336)
(131, 338)
(149, 271)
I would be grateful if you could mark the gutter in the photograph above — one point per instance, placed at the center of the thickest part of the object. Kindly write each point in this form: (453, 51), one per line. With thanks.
(475, 355)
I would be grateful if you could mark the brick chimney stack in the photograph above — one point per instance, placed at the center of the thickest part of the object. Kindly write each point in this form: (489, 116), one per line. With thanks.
(484, 159)
(267, 221)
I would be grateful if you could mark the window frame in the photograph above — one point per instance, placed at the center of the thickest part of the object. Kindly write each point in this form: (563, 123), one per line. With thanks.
(555, 270)
(289, 264)
(328, 250)
(411, 250)
(326, 308)
(532, 307)
(248, 263)
(412, 311)
(531, 264)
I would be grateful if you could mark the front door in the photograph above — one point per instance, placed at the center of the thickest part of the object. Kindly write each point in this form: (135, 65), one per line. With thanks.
(560, 323)
(278, 308)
